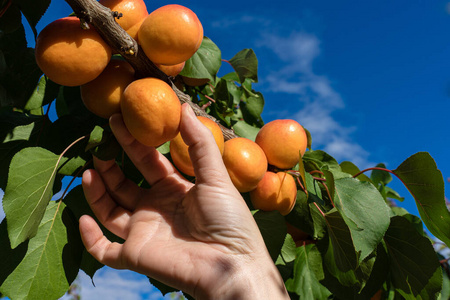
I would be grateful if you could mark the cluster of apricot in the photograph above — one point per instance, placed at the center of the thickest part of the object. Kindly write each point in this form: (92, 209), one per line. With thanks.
(74, 56)
(278, 145)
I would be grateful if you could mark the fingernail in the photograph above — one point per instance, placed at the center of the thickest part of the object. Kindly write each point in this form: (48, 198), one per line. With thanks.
(190, 111)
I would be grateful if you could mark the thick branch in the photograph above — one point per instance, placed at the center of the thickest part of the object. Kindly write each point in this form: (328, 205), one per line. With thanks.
(103, 19)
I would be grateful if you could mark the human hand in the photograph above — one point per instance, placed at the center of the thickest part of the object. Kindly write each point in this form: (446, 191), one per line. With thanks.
(200, 238)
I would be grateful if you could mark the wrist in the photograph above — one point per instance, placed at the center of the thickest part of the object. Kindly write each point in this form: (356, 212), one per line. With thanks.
(247, 278)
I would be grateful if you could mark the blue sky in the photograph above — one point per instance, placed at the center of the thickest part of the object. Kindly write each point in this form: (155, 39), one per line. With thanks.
(369, 79)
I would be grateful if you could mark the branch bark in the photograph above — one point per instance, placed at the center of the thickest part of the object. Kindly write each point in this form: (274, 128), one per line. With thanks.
(103, 19)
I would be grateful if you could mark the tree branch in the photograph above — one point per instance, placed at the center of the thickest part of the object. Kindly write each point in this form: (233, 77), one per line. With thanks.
(103, 19)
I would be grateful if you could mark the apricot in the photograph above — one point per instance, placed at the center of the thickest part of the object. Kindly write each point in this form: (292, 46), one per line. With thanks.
(172, 70)
(70, 55)
(151, 111)
(245, 162)
(275, 191)
(283, 141)
(133, 14)
(179, 151)
(102, 95)
(170, 34)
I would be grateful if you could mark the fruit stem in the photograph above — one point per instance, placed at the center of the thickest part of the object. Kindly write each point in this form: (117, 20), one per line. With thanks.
(316, 171)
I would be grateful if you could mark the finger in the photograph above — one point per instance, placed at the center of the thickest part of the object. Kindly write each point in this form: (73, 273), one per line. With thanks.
(150, 162)
(113, 216)
(203, 150)
(124, 191)
(98, 245)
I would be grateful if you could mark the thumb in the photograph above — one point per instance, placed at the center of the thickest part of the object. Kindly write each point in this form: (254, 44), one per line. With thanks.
(203, 150)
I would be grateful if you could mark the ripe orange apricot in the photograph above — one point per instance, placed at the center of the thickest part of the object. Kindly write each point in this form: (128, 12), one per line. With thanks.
(172, 70)
(133, 14)
(70, 55)
(102, 95)
(179, 151)
(282, 142)
(245, 162)
(151, 111)
(170, 34)
(276, 191)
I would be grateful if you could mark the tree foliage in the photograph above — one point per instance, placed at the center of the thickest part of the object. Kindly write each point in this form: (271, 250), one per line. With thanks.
(358, 242)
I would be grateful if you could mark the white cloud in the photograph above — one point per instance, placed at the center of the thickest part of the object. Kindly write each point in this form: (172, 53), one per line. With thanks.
(114, 284)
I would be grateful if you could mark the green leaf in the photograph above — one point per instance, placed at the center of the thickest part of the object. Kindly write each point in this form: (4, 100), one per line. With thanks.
(288, 250)
(29, 189)
(164, 148)
(103, 144)
(17, 131)
(323, 160)
(413, 259)
(307, 274)
(45, 92)
(420, 175)
(273, 230)
(242, 129)
(245, 64)
(205, 63)
(380, 176)
(341, 241)
(252, 108)
(52, 259)
(364, 211)
(352, 169)
(33, 10)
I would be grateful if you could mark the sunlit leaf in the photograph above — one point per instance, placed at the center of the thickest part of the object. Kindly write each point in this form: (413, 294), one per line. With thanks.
(307, 274)
(245, 64)
(425, 182)
(364, 211)
(44, 93)
(29, 189)
(205, 63)
(52, 259)
(243, 129)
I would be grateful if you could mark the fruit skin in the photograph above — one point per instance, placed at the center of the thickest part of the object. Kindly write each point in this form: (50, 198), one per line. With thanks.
(133, 14)
(179, 151)
(170, 34)
(282, 141)
(245, 162)
(172, 70)
(151, 111)
(70, 55)
(102, 95)
(276, 191)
